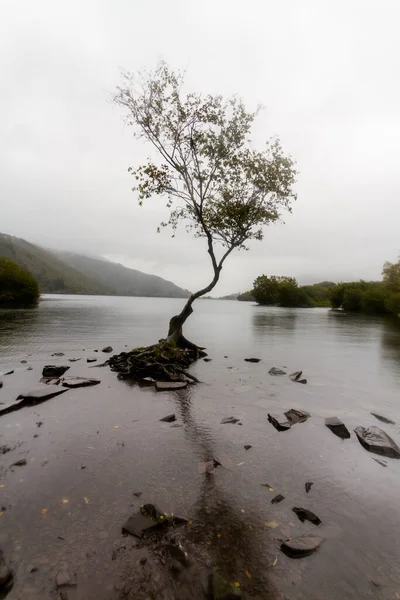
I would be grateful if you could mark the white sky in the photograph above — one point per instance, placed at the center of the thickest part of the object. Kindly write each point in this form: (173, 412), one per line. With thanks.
(327, 72)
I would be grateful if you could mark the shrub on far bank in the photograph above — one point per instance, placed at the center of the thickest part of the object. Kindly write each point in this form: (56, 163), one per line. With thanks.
(18, 288)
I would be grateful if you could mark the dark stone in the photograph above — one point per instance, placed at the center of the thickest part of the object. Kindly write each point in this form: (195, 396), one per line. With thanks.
(169, 418)
(308, 485)
(252, 360)
(138, 525)
(54, 371)
(176, 552)
(376, 440)
(277, 499)
(296, 377)
(58, 354)
(3, 373)
(95, 350)
(306, 515)
(75, 382)
(381, 462)
(337, 427)
(276, 371)
(29, 369)
(303, 545)
(74, 359)
(91, 360)
(163, 386)
(39, 423)
(383, 419)
(143, 560)
(297, 416)
(1, 384)
(215, 587)
(207, 359)
(24, 362)
(6, 576)
(247, 447)
(20, 463)
(137, 494)
(280, 422)
(227, 420)
(107, 349)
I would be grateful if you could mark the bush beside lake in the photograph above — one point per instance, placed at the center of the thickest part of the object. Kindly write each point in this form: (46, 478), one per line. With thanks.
(18, 288)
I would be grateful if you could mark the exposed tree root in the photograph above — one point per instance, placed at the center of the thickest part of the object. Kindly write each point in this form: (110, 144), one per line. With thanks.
(165, 361)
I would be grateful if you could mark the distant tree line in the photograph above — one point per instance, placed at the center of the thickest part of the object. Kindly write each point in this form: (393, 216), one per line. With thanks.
(373, 297)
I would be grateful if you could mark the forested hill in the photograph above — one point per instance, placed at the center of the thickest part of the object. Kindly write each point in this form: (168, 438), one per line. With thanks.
(66, 273)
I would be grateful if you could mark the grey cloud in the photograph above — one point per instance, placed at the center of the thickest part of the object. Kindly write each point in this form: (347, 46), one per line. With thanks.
(326, 73)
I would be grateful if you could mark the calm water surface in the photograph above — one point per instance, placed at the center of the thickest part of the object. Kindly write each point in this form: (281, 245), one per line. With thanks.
(56, 511)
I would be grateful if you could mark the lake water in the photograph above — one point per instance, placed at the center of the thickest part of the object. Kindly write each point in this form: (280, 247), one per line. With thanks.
(55, 511)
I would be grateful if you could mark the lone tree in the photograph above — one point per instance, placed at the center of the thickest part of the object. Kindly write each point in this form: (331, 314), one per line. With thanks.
(213, 180)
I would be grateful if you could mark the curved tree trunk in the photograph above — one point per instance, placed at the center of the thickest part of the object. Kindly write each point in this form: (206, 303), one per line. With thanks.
(177, 322)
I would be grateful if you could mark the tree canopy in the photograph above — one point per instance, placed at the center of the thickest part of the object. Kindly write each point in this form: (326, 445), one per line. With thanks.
(17, 287)
(213, 179)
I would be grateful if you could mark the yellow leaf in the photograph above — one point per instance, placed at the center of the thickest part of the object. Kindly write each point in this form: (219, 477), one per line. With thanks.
(248, 574)
(190, 522)
(237, 584)
(86, 500)
(251, 529)
(219, 534)
(64, 500)
(271, 489)
(1, 513)
(275, 561)
(21, 481)
(1, 485)
(44, 511)
(240, 464)
(271, 524)
(116, 426)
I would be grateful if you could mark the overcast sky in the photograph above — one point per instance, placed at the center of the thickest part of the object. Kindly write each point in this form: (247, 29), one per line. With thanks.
(327, 72)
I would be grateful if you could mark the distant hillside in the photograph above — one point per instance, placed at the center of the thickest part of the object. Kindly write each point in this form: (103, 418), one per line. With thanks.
(65, 273)
(124, 281)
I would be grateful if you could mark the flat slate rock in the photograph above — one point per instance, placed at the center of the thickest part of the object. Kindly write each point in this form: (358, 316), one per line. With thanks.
(54, 371)
(169, 419)
(58, 354)
(228, 420)
(1, 384)
(378, 441)
(301, 546)
(337, 427)
(163, 386)
(277, 499)
(276, 371)
(138, 525)
(306, 515)
(90, 360)
(40, 394)
(383, 419)
(296, 377)
(3, 373)
(252, 360)
(297, 416)
(280, 422)
(75, 382)
(247, 446)
(106, 349)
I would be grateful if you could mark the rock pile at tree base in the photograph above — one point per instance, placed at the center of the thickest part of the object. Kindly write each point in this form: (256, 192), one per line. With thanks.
(164, 361)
